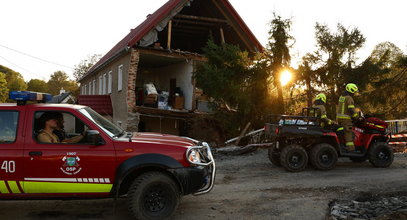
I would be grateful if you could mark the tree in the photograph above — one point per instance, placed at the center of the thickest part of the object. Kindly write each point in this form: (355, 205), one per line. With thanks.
(37, 85)
(337, 62)
(84, 66)
(234, 81)
(278, 53)
(385, 94)
(60, 80)
(3, 88)
(15, 81)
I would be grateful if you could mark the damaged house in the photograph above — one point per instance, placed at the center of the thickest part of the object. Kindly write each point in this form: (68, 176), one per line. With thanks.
(145, 82)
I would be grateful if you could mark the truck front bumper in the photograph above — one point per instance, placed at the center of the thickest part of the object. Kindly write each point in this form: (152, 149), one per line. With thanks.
(199, 178)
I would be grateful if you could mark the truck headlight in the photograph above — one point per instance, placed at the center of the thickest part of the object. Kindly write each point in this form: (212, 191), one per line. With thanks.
(194, 156)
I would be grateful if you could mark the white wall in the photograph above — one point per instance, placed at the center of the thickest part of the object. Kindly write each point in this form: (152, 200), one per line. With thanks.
(182, 72)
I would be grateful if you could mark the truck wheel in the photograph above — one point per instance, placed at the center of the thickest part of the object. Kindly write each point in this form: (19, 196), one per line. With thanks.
(274, 156)
(294, 158)
(323, 156)
(153, 195)
(380, 154)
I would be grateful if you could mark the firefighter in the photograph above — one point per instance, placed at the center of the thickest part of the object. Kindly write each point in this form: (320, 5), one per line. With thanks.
(319, 103)
(346, 113)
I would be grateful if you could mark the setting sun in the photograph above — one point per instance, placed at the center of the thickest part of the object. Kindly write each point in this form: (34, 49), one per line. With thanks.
(285, 77)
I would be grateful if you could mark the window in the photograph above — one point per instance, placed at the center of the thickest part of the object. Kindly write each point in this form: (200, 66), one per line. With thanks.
(100, 85)
(120, 78)
(104, 84)
(109, 83)
(68, 129)
(107, 126)
(94, 87)
(90, 88)
(8, 126)
(84, 89)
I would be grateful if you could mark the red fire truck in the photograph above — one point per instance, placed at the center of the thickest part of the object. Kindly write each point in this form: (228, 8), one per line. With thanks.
(152, 170)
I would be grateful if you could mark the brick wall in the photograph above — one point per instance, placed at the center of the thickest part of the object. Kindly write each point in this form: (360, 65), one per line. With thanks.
(133, 119)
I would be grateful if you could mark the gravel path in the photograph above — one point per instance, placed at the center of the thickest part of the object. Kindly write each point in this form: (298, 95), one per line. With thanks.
(247, 187)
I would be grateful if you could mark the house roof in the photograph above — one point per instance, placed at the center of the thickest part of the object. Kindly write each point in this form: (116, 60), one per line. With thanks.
(152, 20)
(102, 104)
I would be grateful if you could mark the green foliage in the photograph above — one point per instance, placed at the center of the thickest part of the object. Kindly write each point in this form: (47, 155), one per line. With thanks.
(235, 82)
(15, 81)
(333, 64)
(85, 65)
(278, 54)
(37, 85)
(60, 80)
(385, 93)
(3, 88)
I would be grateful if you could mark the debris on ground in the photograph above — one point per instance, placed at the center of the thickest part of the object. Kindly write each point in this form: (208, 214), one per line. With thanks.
(240, 150)
(384, 208)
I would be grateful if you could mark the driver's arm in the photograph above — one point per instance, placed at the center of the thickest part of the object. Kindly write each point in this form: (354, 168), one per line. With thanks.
(73, 140)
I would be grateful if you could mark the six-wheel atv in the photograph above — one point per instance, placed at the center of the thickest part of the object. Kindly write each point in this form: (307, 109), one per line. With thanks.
(300, 139)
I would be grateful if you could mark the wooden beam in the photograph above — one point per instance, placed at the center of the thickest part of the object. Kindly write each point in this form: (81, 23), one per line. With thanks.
(222, 36)
(181, 21)
(169, 35)
(199, 18)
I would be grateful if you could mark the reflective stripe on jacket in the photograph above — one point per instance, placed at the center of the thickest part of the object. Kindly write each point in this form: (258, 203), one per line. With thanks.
(346, 108)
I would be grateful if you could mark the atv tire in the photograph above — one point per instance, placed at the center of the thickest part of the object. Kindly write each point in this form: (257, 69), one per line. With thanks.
(153, 195)
(323, 156)
(380, 155)
(294, 158)
(274, 156)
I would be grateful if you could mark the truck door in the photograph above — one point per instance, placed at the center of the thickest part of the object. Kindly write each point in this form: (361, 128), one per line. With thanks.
(11, 153)
(68, 167)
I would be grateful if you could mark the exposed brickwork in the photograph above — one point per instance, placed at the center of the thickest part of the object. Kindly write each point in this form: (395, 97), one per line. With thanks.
(132, 119)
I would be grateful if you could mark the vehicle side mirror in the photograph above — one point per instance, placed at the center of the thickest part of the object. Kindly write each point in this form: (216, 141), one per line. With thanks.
(93, 136)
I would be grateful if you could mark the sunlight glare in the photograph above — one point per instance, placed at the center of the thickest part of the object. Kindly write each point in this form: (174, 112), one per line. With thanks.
(285, 77)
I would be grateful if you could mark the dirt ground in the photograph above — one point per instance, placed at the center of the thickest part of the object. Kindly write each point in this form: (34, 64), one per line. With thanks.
(247, 187)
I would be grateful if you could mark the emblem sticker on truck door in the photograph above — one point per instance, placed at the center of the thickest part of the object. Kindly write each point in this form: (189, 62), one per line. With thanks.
(71, 164)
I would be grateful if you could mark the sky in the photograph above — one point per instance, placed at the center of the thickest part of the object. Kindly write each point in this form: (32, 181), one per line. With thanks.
(40, 37)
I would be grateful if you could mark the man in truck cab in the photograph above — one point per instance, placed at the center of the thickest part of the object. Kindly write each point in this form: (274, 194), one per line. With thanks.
(52, 129)
(319, 105)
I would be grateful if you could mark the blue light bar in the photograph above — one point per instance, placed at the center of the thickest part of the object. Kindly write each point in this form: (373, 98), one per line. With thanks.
(29, 96)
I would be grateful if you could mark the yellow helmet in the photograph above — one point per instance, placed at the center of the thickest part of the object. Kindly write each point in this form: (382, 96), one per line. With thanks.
(351, 87)
(321, 96)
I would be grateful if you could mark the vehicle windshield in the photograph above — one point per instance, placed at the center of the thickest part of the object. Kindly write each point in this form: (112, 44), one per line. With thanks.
(111, 129)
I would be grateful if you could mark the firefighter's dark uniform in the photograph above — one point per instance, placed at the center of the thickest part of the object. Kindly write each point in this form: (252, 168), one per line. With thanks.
(321, 113)
(346, 112)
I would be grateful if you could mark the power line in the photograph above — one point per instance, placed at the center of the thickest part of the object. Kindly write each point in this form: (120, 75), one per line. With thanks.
(25, 54)
(20, 67)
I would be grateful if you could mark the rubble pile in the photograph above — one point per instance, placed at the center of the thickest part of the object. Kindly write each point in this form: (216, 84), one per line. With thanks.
(368, 209)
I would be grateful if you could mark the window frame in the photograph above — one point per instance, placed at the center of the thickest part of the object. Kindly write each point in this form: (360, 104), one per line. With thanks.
(90, 88)
(94, 87)
(17, 127)
(120, 78)
(61, 143)
(104, 84)
(100, 92)
(109, 82)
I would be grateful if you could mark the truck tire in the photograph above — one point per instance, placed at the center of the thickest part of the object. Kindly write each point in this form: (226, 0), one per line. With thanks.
(274, 156)
(294, 158)
(153, 195)
(323, 156)
(380, 155)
